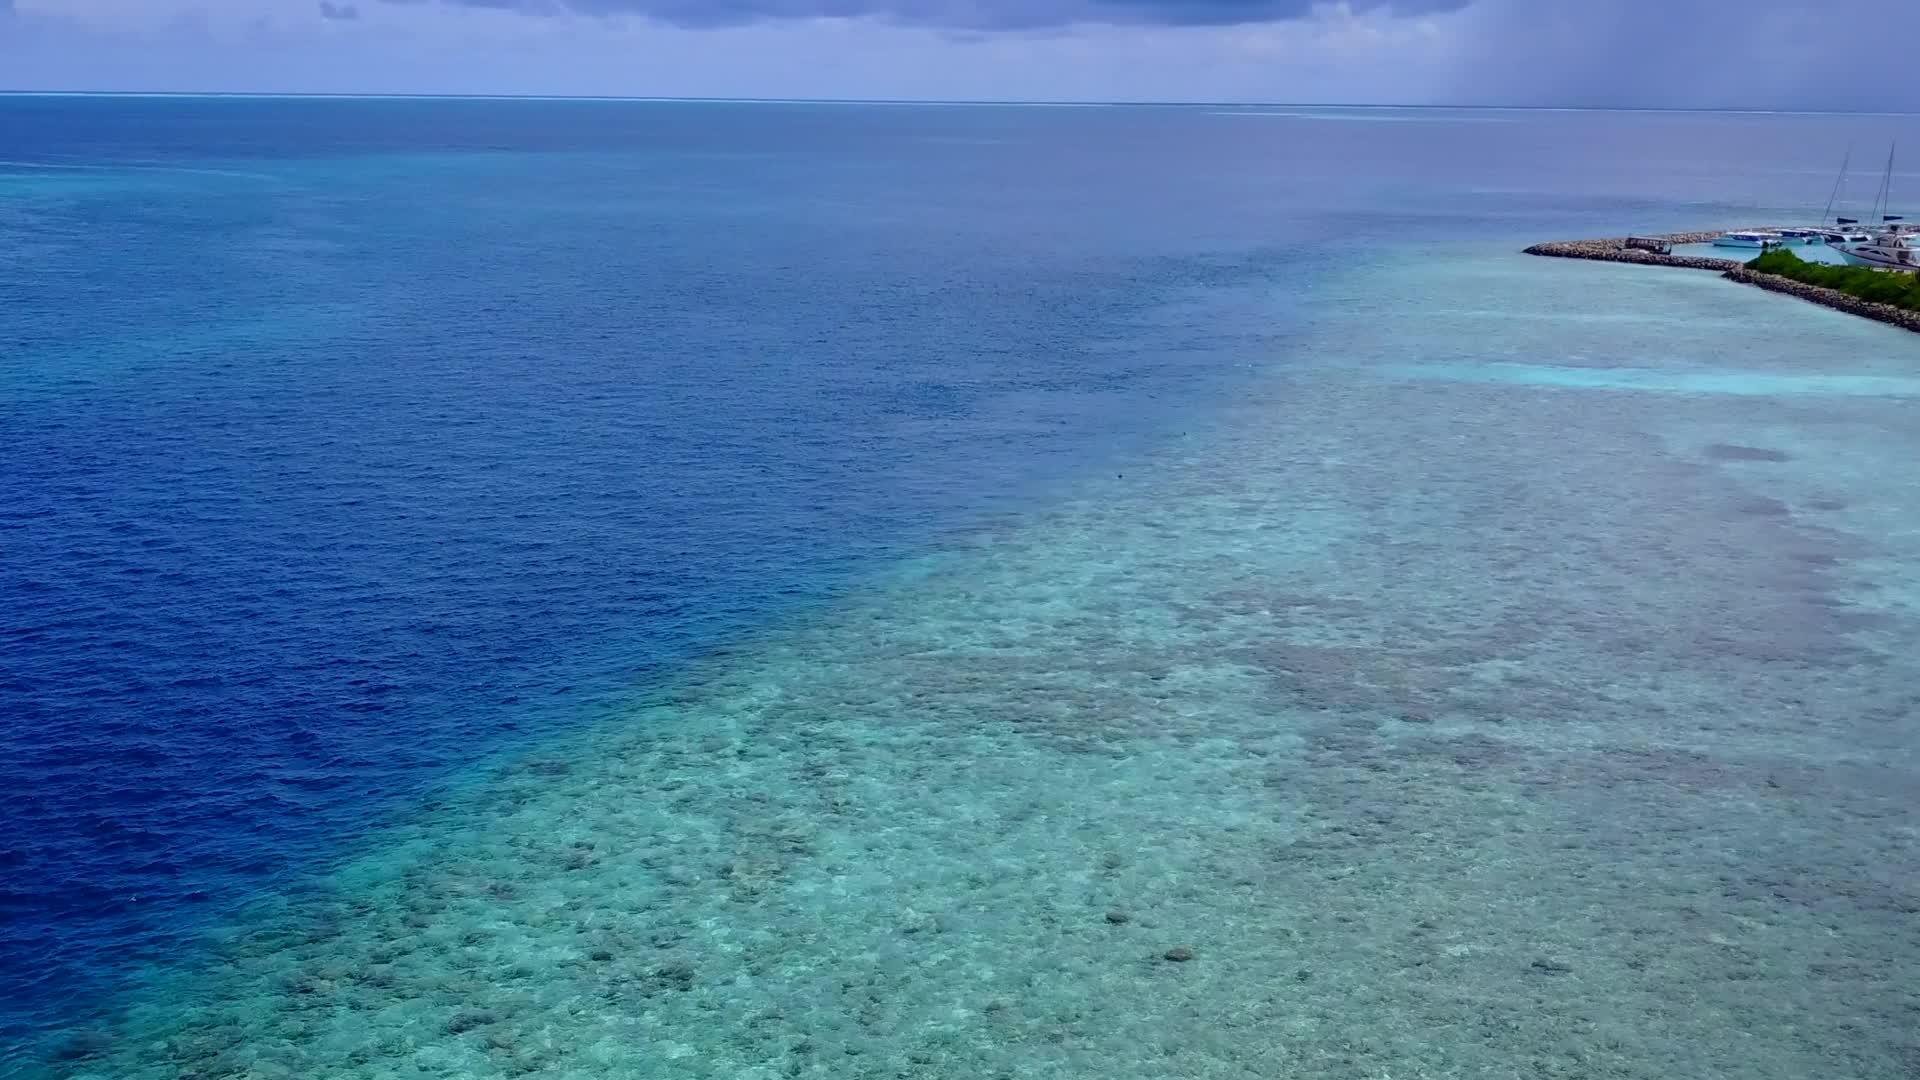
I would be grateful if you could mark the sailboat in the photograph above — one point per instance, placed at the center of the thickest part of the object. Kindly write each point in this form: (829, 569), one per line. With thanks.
(1895, 245)
(1837, 231)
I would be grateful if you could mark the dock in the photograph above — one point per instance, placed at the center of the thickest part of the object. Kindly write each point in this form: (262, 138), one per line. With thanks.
(1645, 250)
(1657, 250)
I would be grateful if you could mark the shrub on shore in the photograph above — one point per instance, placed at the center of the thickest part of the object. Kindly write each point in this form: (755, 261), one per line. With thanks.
(1894, 287)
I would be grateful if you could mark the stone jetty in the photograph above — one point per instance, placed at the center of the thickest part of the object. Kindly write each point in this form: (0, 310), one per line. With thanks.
(1617, 249)
(1833, 298)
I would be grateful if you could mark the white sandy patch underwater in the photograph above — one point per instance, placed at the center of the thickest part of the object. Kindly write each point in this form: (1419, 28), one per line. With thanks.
(1750, 383)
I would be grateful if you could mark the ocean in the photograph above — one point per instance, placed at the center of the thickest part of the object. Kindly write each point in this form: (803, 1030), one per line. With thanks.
(498, 588)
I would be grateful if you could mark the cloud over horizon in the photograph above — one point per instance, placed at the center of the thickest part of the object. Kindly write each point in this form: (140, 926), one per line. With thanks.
(1777, 54)
(967, 14)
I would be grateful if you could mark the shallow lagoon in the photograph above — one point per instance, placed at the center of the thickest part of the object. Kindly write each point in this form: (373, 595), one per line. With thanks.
(1513, 675)
(1448, 744)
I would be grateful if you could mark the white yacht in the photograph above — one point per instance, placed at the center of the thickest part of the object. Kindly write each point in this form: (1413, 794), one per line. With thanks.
(1895, 245)
(1896, 248)
(1754, 239)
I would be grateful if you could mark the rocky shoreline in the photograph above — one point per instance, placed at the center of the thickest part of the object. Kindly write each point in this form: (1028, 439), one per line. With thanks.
(1833, 298)
(1615, 249)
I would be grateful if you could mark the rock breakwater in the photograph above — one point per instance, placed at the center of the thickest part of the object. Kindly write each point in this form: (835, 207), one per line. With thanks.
(1833, 298)
(1616, 250)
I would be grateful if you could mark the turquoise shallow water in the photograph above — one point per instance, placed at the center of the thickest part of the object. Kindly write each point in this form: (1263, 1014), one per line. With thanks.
(1510, 674)
(1448, 745)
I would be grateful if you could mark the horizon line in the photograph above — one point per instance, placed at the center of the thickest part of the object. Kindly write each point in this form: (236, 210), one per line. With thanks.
(974, 102)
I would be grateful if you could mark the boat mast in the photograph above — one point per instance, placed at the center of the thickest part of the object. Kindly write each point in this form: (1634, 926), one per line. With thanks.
(1886, 189)
(1827, 214)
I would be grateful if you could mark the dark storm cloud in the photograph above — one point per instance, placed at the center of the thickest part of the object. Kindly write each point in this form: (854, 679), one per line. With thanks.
(1692, 53)
(330, 10)
(973, 14)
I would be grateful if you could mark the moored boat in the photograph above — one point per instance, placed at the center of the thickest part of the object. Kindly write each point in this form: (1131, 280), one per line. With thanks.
(1896, 248)
(1895, 245)
(1755, 238)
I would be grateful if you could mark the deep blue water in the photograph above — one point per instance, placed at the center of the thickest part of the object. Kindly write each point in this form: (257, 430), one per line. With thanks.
(343, 442)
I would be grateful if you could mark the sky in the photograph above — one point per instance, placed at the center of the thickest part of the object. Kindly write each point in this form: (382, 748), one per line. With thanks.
(1765, 54)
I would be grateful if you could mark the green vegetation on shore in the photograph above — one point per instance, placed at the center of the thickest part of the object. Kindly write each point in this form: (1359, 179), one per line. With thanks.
(1901, 290)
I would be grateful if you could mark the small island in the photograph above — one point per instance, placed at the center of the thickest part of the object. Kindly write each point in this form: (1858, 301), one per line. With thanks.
(1888, 296)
